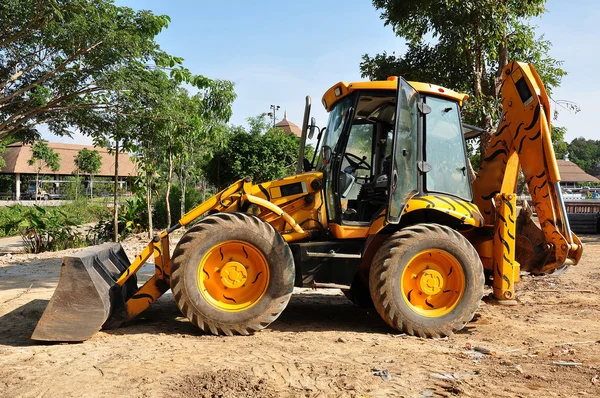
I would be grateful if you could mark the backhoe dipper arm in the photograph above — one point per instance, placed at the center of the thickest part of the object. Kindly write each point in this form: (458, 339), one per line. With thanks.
(523, 139)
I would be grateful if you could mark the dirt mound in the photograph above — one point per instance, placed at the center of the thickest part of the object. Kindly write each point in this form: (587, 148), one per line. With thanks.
(225, 383)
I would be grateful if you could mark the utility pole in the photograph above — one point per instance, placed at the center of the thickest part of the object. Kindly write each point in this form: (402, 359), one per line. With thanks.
(273, 114)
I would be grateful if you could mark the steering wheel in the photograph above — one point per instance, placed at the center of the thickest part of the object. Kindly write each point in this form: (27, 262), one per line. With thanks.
(356, 162)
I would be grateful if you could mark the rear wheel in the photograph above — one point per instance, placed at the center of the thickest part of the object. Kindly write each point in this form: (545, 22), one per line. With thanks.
(232, 273)
(427, 280)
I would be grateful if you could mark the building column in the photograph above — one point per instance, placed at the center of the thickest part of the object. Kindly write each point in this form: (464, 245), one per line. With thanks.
(18, 186)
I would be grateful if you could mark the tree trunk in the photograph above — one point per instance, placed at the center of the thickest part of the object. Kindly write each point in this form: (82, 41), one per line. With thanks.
(182, 204)
(115, 201)
(149, 202)
(37, 185)
(203, 190)
(77, 186)
(168, 193)
(219, 173)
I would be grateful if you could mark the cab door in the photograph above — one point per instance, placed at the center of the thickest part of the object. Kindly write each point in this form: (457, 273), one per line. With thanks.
(405, 155)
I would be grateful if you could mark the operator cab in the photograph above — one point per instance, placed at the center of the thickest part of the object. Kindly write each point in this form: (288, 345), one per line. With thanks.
(361, 159)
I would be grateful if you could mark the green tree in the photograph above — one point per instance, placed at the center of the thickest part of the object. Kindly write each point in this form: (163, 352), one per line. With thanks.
(207, 112)
(88, 162)
(43, 156)
(558, 142)
(58, 58)
(585, 154)
(464, 45)
(259, 154)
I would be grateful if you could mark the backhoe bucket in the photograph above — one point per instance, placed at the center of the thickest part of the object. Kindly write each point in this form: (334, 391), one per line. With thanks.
(87, 296)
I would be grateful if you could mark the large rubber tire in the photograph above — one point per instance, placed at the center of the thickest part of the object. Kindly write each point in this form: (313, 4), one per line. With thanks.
(197, 243)
(387, 272)
(359, 293)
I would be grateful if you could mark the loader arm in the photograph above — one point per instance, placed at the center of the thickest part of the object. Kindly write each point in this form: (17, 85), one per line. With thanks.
(523, 140)
(98, 287)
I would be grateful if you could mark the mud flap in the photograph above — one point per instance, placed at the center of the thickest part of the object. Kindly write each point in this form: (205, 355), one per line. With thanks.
(87, 296)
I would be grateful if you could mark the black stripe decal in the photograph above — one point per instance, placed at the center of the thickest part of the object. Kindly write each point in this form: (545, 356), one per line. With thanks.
(495, 155)
(502, 129)
(539, 187)
(141, 296)
(490, 196)
(521, 144)
(255, 279)
(447, 201)
(535, 137)
(505, 243)
(229, 298)
(507, 280)
(518, 130)
(499, 142)
(425, 200)
(458, 202)
(265, 192)
(156, 267)
(509, 206)
(502, 218)
(536, 116)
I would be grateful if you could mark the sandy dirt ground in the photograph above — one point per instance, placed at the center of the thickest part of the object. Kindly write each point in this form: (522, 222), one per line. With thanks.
(321, 346)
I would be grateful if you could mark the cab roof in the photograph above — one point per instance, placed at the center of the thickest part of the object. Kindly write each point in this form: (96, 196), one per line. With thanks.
(343, 89)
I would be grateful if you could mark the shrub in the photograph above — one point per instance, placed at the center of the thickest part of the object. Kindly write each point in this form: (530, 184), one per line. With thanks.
(48, 229)
(193, 197)
(132, 218)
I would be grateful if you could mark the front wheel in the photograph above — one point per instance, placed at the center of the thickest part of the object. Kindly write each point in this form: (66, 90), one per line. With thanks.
(427, 280)
(232, 273)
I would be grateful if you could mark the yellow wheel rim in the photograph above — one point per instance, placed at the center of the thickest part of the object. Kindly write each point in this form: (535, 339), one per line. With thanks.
(432, 283)
(233, 275)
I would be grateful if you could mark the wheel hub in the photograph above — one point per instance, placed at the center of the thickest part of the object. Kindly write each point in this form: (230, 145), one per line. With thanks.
(431, 282)
(233, 274)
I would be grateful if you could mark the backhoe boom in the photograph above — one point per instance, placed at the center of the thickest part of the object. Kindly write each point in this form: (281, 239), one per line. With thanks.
(523, 140)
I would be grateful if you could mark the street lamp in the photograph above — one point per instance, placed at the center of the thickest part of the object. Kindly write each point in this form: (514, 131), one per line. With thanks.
(273, 114)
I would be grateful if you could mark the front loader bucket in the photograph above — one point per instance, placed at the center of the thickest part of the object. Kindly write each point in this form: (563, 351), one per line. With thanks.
(87, 295)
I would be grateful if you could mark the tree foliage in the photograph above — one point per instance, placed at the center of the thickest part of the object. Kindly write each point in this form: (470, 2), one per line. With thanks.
(88, 161)
(60, 56)
(262, 153)
(585, 153)
(464, 45)
(561, 147)
(42, 155)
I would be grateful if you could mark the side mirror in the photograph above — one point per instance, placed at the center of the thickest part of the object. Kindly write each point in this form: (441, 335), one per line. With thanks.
(312, 127)
(326, 154)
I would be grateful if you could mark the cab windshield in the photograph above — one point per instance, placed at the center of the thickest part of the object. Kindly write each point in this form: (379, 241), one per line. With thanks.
(335, 125)
(444, 149)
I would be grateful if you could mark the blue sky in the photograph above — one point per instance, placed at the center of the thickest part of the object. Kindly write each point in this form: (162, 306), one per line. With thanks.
(277, 52)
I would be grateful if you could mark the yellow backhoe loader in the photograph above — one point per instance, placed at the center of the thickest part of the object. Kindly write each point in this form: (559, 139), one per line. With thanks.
(386, 212)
